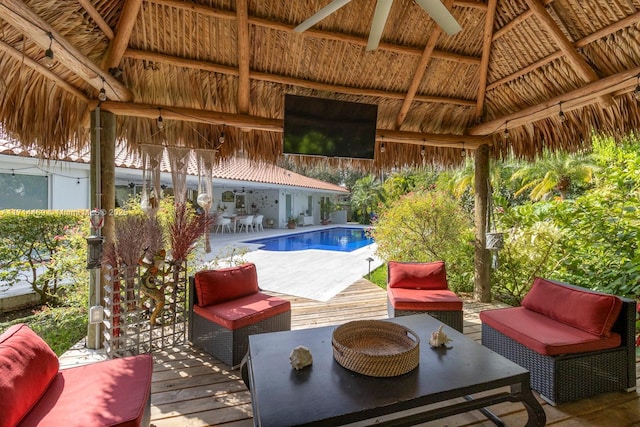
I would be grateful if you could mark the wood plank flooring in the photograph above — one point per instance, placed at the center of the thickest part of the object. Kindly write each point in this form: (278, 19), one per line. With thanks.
(191, 388)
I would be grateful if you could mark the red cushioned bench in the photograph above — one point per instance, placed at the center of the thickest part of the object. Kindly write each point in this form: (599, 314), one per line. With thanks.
(576, 342)
(421, 287)
(34, 392)
(226, 306)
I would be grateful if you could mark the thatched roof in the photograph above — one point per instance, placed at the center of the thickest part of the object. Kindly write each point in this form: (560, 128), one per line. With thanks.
(213, 66)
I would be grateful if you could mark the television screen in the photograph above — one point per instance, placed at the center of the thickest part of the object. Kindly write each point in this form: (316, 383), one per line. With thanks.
(325, 127)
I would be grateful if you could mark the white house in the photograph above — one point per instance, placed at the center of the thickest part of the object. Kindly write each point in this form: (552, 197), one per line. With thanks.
(239, 186)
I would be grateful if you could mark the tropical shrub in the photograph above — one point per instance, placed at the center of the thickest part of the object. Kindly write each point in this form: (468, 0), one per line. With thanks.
(43, 248)
(427, 226)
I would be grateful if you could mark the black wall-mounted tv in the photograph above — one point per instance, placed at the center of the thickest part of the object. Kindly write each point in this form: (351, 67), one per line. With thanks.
(326, 127)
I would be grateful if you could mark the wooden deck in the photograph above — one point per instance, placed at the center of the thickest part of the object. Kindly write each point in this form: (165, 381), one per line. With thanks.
(191, 388)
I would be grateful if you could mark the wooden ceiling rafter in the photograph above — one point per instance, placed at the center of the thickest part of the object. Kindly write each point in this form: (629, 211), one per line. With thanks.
(325, 35)
(242, 12)
(97, 18)
(119, 43)
(486, 54)
(21, 57)
(421, 69)
(588, 94)
(21, 17)
(582, 68)
(245, 121)
(275, 78)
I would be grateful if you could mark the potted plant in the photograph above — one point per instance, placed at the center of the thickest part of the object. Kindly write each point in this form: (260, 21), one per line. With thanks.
(291, 222)
(326, 208)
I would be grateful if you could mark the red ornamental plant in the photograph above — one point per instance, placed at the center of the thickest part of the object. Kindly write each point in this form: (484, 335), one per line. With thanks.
(184, 231)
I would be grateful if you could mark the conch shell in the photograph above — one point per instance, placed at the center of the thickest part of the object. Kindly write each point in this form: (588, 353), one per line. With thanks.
(300, 357)
(439, 338)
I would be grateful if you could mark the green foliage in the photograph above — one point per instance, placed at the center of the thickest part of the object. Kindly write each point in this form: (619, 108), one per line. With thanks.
(531, 250)
(427, 226)
(43, 248)
(379, 276)
(366, 195)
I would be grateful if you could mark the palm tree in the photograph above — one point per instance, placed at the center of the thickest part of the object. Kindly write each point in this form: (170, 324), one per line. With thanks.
(367, 193)
(557, 171)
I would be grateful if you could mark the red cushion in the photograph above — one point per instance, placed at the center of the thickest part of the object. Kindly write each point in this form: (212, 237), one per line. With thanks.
(424, 300)
(417, 275)
(224, 284)
(244, 311)
(27, 368)
(543, 334)
(590, 311)
(110, 393)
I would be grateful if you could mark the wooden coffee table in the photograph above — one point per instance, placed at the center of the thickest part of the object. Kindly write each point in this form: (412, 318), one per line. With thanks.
(328, 394)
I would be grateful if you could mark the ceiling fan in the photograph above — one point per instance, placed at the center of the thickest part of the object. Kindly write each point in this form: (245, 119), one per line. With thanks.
(434, 8)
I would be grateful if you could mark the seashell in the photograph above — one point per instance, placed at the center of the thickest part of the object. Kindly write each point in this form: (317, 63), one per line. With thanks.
(300, 357)
(439, 338)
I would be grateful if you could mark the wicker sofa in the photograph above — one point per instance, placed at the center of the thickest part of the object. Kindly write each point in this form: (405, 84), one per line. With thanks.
(421, 287)
(34, 392)
(226, 306)
(575, 342)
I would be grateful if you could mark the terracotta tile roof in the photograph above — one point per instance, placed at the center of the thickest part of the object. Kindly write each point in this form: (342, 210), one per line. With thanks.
(236, 169)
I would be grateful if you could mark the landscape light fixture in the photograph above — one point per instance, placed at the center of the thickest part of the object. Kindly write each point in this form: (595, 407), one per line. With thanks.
(48, 53)
(102, 95)
(561, 115)
(636, 92)
(159, 120)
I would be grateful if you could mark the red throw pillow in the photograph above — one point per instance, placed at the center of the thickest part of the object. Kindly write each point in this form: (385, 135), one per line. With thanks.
(224, 284)
(417, 275)
(590, 311)
(27, 367)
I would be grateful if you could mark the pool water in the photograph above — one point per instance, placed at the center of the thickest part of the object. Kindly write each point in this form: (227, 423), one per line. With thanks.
(341, 239)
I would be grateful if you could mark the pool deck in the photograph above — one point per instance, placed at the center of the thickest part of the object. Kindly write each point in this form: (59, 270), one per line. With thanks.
(313, 274)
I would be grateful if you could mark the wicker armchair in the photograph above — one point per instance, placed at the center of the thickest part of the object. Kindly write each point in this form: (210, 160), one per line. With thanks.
(226, 306)
(421, 287)
(569, 376)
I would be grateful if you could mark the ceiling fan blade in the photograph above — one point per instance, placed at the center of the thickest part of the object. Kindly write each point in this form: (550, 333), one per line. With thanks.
(320, 15)
(383, 7)
(441, 15)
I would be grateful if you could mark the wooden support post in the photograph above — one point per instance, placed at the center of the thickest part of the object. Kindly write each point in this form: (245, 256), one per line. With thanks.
(103, 142)
(482, 270)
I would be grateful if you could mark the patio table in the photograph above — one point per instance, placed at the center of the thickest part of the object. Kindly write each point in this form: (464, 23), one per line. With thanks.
(328, 394)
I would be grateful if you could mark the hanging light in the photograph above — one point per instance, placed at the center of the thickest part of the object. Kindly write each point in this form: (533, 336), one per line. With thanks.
(77, 180)
(463, 152)
(422, 152)
(382, 147)
(636, 91)
(48, 53)
(221, 138)
(561, 115)
(13, 172)
(102, 95)
(159, 120)
(506, 130)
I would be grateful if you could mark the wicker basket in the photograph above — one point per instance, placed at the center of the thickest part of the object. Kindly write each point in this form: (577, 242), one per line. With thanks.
(376, 348)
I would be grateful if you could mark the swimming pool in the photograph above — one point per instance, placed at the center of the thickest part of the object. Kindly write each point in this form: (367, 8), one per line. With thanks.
(341, 239)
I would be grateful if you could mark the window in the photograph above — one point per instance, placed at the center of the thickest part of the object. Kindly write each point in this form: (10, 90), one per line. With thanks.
(19, 191)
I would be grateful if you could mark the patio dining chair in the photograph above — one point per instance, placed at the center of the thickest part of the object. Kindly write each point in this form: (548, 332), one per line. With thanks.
(257, 223)
(246, 223)
(223, 222)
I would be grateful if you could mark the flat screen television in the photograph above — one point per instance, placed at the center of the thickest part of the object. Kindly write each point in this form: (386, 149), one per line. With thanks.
(326, 127)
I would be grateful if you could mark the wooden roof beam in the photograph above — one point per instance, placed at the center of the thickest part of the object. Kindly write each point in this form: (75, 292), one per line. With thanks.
(22, 58)
(97, 18)
(274, 78)
(573, 57)
(275, 125)
(119, 44)
(420, 70)
(312, 32)
(242, 13)
(618, 83)
(20, 16)
(486, 53)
